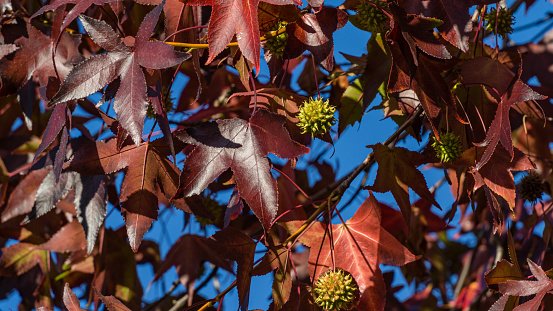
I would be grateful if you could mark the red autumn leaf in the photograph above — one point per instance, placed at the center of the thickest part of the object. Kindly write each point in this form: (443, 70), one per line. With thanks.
(457, 25)
(70, 300)
(496, 174)
(235, 245)
(539, 288)
(69, 238)
(112, 303)
(121, 61)
(34, 57)
(235, 17)
(80, 7)
(397, 172)
(147, 169)
(313, 32)
(187, 256)
(360, 245)
(242, 146)
(500, 129)
(22, 198)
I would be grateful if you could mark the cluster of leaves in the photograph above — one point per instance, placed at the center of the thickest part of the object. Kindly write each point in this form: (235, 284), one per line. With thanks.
(69, 65)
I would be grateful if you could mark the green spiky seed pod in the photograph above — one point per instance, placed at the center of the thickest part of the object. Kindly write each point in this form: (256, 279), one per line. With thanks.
(335, 290)
(215, 209)
(531, 187)
(276, 45)
(505, 21)
(316, 116)
(450, 147)
(371, 18)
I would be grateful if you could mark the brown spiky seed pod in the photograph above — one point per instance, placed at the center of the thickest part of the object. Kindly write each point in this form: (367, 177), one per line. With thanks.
(531, 187)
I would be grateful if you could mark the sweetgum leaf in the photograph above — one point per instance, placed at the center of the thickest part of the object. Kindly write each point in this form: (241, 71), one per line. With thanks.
(112, 303)
(233, 244)
(230, 17)
(34, 56)
(496, 173)
(313, 32)
(397, 172)
(187, 256)
(121, 61)
(22, 198)
(70, 300)
(80, 7)
(359, 246)
(500, 129)
(539, 288)
(146, 169)
(69, 238)
(242, 146)
(90, 204)
(457, 25)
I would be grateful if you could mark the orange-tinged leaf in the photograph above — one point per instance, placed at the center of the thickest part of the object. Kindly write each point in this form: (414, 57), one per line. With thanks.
(360, 245)
(70, 300)
(20, 258)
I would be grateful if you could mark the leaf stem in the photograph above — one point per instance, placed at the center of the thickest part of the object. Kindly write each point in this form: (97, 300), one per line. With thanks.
(206, 45)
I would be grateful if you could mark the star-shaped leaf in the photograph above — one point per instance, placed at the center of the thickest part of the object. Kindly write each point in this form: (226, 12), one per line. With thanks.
(313, 32)
(34, 57)
(457, 25)
(93, 74)
(359, 246)
(235, 17)
(242, 146)
(397, 172)
(539, 288)
(147, 168)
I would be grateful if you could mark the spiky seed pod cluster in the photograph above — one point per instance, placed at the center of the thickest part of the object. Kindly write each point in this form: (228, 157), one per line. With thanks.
(371, 18)
(215, 209)
(450, 147)
(276, 45)
(531, 187)
(504, 18)
(335, 290)
(316, 116)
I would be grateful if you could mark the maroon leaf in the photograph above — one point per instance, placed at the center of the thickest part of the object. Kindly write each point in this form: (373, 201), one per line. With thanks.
(55, 124)
(49, 193)
(90, 204)
(313, 32)
(70, 300)
(22, 198)
(187, 256)
(69, 238)
(35, 57)
(457, 25)
(147, 169)
(500, 129)
(397, 172)
(242, 146)
(80, 7)
(233, 244)
(112, 303)
(93, 74)
(230, 17)
(359, 246)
